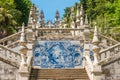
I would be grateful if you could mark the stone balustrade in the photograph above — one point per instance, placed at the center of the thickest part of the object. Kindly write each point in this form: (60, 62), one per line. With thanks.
(59, 29)
(58, 34)
(13, 45)
(10, 39)
(110, 54)
(107, 40)
(10, 57)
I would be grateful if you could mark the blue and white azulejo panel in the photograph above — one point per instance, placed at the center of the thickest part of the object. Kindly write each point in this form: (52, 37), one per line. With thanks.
(57, 54)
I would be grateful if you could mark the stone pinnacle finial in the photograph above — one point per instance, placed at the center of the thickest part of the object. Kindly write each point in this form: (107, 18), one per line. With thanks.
(77, 15)
(86, 20)
(95, 38)
(23, 50)
(95, 48)
(38, 24)
(23, 37)
(72, 9)
(72, 13)
(81, 10)
(23, 27)
(57, 16)
(41, 14)
(72, 17)
(81, 16)
(57, 20)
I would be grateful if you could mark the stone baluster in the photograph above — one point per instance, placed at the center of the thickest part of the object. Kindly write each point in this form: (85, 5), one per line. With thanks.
(96, 71)
(23, 69)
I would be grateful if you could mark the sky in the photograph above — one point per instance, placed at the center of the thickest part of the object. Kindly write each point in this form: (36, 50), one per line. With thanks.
(50, 6)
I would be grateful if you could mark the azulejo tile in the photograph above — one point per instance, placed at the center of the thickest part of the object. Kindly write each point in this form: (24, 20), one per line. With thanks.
(57, 54)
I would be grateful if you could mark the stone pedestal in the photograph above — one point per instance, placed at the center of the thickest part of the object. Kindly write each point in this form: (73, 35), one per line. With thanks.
(97, 72)
(24, 73)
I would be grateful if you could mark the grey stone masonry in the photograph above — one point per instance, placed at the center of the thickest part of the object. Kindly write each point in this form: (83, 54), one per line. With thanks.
(112, 70)
(7, 72)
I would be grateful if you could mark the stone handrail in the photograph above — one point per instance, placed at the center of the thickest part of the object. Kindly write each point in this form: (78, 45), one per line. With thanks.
(109, 41)
(9, 56)
(109, 54)
(13, 45)
(88, 66)
(10, 39)
(58, 29)
(107, 38)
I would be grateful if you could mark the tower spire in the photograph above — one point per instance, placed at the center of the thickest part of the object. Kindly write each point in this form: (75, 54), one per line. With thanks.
(57, 16)
(57, 21)
(42, 19)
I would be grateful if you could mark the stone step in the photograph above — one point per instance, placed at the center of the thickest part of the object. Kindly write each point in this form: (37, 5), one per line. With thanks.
(59, 74)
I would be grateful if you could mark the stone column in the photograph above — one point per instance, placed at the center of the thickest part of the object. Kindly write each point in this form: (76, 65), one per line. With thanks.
(23, 69)
(86, 39)
(96, 71)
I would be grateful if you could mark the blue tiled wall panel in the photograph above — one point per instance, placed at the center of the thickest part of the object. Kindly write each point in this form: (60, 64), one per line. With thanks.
(57, 54)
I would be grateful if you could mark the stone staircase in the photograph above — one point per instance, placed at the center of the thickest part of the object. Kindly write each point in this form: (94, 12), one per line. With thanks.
(110, 52)
(9, 59)
(59, 74)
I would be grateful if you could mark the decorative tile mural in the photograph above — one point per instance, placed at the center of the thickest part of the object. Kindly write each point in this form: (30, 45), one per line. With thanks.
(57, 54)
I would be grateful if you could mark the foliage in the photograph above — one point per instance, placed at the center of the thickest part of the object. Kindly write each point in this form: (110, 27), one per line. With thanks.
(23, 6)
(12, 16)
(106, 13)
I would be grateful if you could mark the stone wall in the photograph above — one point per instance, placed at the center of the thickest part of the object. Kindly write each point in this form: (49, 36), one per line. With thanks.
(7, 72)
(112, 70)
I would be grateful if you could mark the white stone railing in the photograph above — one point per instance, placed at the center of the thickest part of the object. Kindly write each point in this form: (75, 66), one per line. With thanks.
(88, 67)
(13, 45)
(106, 41)
(10, 39)
(58, 34)
(109, 54)
(9, 56)
(60, 29)
(110, 40)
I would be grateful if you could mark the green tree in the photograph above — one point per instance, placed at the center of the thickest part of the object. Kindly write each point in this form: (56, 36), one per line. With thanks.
(23, 6)
(11, 15)
(106, 13)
